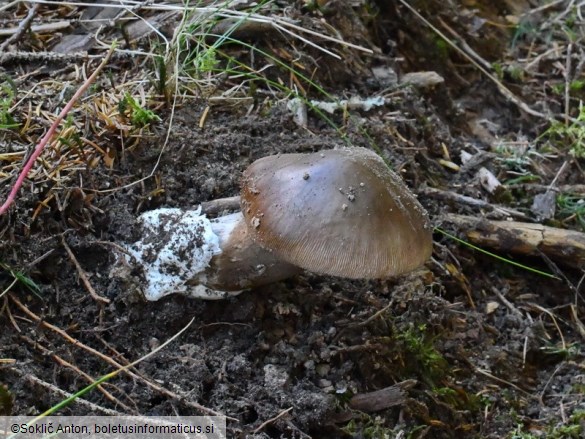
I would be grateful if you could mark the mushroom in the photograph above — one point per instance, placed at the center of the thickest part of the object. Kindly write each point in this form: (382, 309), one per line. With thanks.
(340, 212)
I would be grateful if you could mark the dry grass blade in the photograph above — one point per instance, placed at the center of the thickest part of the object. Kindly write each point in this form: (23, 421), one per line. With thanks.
(111, 361)
(270, 421)
(95, 408)
(82, 275)
(47, 137)
(508, 383)
(74, 368)
(503, 89)
(282, 24)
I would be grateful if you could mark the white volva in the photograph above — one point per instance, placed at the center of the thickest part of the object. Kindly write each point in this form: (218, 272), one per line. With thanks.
(176, 247)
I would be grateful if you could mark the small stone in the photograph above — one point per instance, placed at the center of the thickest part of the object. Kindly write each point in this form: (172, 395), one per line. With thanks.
(322, 370)
(260, 268)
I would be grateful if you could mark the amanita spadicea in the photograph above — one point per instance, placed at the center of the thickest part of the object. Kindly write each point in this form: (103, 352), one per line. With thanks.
(339, 212)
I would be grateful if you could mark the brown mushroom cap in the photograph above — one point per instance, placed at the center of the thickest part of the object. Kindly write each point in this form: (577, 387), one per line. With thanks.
(339, 212)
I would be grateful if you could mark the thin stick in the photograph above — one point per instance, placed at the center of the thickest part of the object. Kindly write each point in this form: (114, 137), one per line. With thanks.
(47, 137)
(10, 316)
(22, 28)
(506, 302)
(93, 407)
(68, 365)
(219, 205)
(502, 381)
(269, 421)
(503, 89)
(464, 199)
(554, 320)
(82, 275)
(113, 362)
(568, 84)
(9, 57)
(48, 27)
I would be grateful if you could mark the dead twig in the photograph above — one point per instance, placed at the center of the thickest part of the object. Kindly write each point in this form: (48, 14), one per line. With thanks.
(567, 76)
(21, 29)
(501, 87)
(113, 362)
(554, 320)
(508, 383)
(270, 421)
(506, 302)
(531, 188)
(362, 323)
(10, 316)
(10, 57)
(48, 27)
(464, 199)
(68, 365)
(565, 246)
(220, 205)
(82, 275)
(544, 389)
(65, 395)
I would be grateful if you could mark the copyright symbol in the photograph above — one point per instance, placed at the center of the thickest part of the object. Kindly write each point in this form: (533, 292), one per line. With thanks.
(14, 428)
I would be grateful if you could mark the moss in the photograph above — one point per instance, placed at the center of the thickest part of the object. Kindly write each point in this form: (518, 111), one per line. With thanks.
(421, 355)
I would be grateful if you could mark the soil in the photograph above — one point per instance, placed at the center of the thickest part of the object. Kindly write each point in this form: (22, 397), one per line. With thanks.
(495, 350)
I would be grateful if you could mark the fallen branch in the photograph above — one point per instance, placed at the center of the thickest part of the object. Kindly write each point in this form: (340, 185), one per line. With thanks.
(561, 245)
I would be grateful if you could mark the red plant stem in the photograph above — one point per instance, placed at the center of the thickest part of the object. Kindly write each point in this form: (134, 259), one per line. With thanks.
(49, 134)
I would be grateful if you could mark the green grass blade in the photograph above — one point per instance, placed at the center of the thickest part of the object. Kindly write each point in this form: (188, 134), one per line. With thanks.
(498, 257)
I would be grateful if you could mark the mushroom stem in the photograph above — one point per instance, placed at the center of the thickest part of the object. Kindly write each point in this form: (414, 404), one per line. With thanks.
(219, 205)
(182, 251)
(242, 264)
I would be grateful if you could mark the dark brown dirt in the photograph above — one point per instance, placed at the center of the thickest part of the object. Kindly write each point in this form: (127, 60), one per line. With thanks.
(483, 365)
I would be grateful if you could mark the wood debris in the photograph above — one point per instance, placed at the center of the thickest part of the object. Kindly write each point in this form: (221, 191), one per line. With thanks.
(566, 247)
